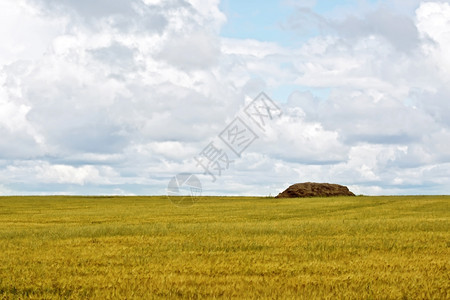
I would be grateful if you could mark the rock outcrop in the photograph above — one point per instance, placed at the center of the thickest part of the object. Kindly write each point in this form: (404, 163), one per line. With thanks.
(312, 189)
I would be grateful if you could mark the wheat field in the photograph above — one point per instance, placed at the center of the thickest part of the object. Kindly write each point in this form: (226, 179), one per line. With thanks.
(63, 247)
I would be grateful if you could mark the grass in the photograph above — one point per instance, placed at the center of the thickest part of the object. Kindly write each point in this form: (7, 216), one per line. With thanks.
(225, 247)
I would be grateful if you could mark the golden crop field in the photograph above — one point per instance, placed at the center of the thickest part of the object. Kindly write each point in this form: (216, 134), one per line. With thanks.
(225, 247)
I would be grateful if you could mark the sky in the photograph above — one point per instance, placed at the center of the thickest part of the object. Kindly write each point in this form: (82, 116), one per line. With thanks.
(116, 97)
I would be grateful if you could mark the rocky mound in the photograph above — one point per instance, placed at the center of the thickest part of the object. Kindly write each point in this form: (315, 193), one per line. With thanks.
(312, 189)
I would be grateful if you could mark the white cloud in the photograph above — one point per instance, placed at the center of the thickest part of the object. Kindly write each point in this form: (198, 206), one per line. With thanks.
(194, 51)
(42, 172)
(25, 34)
(293, 139)
(73, 175)
(433, 21)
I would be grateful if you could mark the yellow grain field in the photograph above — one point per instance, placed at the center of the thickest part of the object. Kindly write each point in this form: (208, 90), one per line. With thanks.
(225, 247)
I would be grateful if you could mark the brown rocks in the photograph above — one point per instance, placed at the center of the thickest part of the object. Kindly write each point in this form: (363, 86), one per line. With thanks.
(312, 189)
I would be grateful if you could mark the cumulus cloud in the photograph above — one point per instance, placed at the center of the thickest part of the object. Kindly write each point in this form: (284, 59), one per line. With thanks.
(117, 97)
(399, 30)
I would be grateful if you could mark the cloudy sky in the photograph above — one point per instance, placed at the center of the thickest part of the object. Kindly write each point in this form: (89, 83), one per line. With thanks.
(118, 96)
